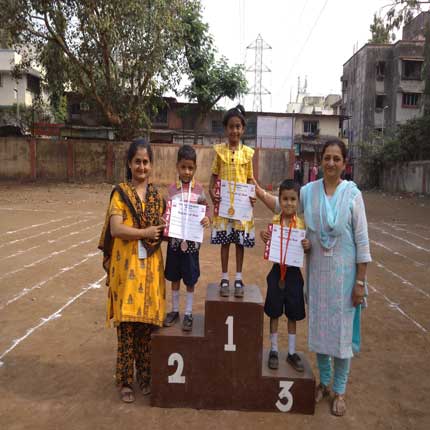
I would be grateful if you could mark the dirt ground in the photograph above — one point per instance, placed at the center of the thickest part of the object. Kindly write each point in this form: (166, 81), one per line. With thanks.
(57, 359)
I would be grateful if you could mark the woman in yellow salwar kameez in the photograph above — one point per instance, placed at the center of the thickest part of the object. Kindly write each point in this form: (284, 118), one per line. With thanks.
(133, 260)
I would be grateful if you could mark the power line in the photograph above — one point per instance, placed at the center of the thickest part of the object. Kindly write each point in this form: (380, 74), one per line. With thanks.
(293, 65)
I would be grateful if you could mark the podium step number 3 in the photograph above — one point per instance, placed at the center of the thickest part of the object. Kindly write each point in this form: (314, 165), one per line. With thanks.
(221, 363)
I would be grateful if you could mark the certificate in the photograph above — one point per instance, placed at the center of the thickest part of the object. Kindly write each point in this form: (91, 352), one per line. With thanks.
(295, 253)
(177, 213)
(241, 204)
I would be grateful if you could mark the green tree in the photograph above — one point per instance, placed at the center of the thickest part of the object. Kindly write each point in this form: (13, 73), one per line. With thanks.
(379, 30)
(402, 11)
(117, 53)
(211, 79)
(426, 72)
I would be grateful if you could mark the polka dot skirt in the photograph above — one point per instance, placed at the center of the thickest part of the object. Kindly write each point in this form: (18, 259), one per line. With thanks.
(237, 237)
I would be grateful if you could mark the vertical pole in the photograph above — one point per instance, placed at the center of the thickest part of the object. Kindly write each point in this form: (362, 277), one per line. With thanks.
(70, 161)
(109, 162)
(32, 153)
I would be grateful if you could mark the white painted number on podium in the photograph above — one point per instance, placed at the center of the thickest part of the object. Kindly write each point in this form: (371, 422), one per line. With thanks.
(285, 393)
(177, 377)
(229, 346)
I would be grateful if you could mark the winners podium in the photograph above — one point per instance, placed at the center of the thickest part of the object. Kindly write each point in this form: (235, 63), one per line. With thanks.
(221, 363)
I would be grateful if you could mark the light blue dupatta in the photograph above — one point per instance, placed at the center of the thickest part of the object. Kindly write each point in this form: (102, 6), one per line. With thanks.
(327, 217)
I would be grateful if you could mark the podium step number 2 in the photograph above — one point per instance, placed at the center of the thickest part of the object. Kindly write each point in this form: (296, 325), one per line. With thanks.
(221, 363)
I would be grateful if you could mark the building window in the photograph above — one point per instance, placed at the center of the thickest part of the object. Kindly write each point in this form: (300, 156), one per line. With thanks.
(411, 69)
(410, 100)
(380, 70)
(1, 81)
(310, 127)
(344, 84)
(251, 129)
(379, 102)
(217, 127)
(75, 108)
(161, 117)
(33, 84)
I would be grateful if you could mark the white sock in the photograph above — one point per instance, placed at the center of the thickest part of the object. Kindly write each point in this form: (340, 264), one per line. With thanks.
(238, 276)
(274, 342)
(224, 275)
(291, 344)
(175, 300)
(189, 303)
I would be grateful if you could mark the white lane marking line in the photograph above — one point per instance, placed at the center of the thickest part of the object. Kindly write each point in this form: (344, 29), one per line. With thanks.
(55, 315)
(46, 210)
(425, 227)
(396, 307)
(45, 232)
(27, 210)
(40, 284)
(399, 238)
(397, 228)
(37, 225)
(47, 257)
(404, 281)
(73, 233)
(417, 263)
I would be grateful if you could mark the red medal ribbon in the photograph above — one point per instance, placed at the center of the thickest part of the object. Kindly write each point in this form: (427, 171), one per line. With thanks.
(284, 256)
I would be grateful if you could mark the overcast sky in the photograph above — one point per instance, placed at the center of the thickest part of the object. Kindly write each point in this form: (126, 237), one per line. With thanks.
(308, 37)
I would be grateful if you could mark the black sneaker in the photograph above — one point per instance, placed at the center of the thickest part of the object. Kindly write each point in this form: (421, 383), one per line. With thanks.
(296, 362)
(224, 288)
(273, 360)
(238, 289)
(187, 323)
(171, 319)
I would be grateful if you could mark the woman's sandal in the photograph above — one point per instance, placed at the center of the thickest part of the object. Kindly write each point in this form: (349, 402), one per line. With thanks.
(339, 405)
(146, 389)
(321, 392)
(127, 394)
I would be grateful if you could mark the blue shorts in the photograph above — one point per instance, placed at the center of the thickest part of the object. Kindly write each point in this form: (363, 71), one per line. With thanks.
(182, 265)
(289, 300)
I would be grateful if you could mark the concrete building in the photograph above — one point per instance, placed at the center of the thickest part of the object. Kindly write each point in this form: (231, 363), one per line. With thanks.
(382, 85)
(13, 91)
(306, 103)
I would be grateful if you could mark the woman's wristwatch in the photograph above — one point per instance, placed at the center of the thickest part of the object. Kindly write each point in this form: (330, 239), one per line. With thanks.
(363, 284)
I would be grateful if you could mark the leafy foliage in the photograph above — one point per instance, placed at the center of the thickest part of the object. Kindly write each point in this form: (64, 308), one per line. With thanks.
(211, 78)
(379, 30)
(401, 12)
(410, 142)
(426, 71)
(118, 53)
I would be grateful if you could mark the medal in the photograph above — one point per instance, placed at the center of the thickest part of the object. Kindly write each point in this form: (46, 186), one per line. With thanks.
(186, 210)
(184, 245)
(231, 211)
(283, 257)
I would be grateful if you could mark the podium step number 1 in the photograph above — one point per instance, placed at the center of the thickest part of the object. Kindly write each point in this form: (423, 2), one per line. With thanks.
(221, 363)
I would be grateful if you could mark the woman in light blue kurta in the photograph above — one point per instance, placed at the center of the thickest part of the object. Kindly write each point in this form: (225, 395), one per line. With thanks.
(336, 283)
(337, 229)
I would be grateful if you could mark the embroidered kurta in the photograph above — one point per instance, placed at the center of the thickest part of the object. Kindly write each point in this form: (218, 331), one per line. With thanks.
(137, 291)
(234, 166)
(331, 272)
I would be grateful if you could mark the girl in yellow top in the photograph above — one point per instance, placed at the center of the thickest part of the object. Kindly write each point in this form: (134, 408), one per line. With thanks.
(232, 162)
(137, 293)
